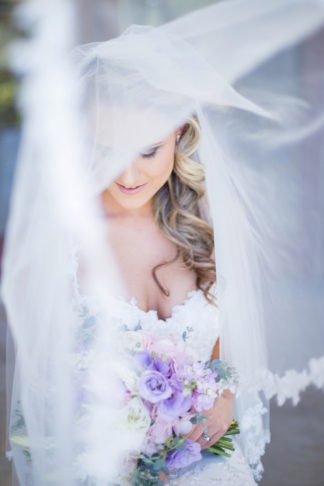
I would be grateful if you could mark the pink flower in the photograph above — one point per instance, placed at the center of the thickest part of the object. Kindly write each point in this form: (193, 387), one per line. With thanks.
(157, 434)
(165, 346)
(160, 431)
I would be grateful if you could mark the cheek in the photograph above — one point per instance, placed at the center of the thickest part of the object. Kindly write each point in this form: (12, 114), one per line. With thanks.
(159, 168)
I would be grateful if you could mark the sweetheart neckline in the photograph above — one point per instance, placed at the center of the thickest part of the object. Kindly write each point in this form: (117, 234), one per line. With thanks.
(132, 301)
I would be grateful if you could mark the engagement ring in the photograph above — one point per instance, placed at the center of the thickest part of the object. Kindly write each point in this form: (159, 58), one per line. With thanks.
(206, 437)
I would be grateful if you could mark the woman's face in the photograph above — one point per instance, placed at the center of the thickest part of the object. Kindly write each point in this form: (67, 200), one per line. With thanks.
(135, 187)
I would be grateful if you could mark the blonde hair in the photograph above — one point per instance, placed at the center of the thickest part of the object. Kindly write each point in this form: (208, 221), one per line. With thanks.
(177, 212)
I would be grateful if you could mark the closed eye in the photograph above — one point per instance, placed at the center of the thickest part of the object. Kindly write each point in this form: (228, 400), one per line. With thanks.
(147, 155)
(104, 151)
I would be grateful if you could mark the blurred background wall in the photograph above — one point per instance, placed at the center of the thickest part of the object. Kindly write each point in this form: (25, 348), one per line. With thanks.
(296, 454)
(9, 141)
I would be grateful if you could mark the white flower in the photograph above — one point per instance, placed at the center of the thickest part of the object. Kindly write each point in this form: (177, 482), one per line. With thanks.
(183, 425)
(128, 376)
(136, 418)
(132, 340)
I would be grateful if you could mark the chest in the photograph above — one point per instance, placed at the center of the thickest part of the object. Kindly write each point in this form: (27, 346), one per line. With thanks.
(138, 247)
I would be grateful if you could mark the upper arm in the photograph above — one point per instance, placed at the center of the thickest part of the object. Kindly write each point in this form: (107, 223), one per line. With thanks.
(215, 352)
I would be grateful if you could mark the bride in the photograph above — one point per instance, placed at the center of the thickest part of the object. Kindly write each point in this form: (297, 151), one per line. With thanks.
(156, 205)
(161, 186)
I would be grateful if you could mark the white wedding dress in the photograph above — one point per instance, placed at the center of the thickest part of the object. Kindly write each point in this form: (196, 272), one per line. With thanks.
(200, 322)
(197, 321)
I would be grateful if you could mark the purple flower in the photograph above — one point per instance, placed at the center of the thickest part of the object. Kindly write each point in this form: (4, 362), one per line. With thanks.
(202, 402)
(176, 384)
(204, 395)
(153, 386)
(143, 358)
(164, 367)
(174, 406)
(189, 453)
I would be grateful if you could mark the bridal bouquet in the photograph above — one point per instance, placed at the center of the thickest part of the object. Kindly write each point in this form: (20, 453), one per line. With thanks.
(166, 388)
(169, 388)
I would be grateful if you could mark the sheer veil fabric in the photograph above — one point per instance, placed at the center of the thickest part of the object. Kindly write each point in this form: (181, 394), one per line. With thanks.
(250, 71)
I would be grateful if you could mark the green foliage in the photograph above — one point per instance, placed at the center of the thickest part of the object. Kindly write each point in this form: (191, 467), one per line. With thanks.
(9, 115)
(148, 469)
(224, 372)
(198, 418)
(225, 443)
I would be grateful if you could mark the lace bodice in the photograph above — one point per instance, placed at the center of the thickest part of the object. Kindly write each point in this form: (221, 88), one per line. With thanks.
(195, 320)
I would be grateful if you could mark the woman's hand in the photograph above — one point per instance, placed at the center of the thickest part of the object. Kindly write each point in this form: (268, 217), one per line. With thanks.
(219, 418)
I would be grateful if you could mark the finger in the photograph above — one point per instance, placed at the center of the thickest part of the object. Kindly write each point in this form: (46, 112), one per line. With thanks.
(207, 432)
(196, 432)
(215, 433)
(209, 427)
(163, 477)
(204, 443)
(215, 438)
(222, 429)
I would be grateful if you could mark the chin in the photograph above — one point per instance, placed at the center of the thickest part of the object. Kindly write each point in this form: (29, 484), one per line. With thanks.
(132, 202)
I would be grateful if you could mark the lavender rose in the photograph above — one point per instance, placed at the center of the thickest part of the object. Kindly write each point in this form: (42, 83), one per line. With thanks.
(143, 358)
(189, 453)
(153, 386)
(175, 406)
(164, 367)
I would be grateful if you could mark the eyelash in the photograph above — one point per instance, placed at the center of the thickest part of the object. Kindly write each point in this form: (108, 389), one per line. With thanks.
(104, 151)
(151, 154)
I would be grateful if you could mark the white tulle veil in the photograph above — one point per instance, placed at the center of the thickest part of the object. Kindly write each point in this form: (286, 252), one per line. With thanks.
(249, 70)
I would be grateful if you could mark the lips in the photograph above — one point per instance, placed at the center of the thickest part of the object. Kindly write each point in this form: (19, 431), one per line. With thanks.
(130, 190)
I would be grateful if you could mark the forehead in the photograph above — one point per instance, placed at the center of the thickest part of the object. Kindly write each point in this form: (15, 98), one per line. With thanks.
(117, 126)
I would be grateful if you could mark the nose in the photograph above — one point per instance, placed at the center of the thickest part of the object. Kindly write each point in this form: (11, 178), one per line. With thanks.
(130, 177)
